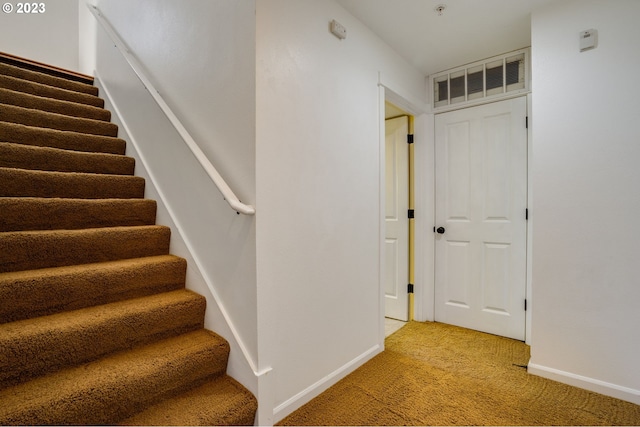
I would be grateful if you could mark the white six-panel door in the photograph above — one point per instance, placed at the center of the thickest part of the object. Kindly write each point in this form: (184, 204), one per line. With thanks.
(481, 197)
(396, 219)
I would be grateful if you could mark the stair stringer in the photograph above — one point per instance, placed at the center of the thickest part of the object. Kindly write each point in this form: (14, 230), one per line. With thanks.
(242, 364)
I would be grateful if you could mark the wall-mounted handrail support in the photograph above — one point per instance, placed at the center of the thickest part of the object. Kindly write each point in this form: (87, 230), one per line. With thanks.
(217, 179)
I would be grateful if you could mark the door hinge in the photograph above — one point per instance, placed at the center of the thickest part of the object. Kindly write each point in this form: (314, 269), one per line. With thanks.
(526, 122)
(411, 213)
(410, 288)
(526, 214)
(525, 304)
(409, 139)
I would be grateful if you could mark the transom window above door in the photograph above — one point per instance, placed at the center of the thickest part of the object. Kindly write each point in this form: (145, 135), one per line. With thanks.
(490, 79)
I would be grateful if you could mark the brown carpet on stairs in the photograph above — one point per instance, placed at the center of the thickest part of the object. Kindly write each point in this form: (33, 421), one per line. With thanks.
(45, 78)
(96, 326)
(67, 140)
(50, 105)
(49, 92)
(30, 183)
(437, 374)
(41, 345)
(26, 213)
(45, 119)
(20, 156)
(48, 291)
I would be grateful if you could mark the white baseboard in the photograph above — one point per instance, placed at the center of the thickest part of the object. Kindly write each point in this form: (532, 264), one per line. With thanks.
(591, 384)
(295, 402)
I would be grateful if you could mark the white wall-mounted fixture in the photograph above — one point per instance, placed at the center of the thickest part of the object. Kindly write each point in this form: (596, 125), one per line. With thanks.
(338, 30)
(588, 39)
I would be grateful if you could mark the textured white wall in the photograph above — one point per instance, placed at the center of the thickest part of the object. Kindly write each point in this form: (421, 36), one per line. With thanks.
(586, 200)
(50, 37)
(201, 56)
(318, 189)
(88, 37)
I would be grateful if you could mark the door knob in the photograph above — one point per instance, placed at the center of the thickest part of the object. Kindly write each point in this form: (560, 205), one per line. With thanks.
(440, 230)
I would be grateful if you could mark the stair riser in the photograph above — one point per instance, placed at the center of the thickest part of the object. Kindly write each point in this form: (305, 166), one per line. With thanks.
(29, 294)
(22, 183)
(20, 99)
(41, 346)
(43, 137)
(55, 160)
(45, 91)
(128, 382)
(17, 72)
(29, 250)
(24, 214)
(29, 117)
(221, 402)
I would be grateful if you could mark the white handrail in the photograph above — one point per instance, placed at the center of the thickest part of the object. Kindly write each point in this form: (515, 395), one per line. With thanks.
(217, 179)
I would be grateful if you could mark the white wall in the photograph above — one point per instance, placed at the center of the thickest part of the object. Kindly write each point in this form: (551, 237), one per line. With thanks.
(318, 192)
(88, 37)
(586, 181)
(50, 37)
(201, 58)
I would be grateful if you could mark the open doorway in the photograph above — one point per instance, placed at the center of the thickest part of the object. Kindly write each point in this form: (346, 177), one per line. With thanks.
(399, 227)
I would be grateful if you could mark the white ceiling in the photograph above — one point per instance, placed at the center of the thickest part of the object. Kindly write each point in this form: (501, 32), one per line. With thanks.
(467, 31)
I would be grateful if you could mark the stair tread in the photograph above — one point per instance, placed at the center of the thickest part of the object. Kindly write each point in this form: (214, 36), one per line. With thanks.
(221, 401)
(37, 213)
(39, 89)
(31, 183)
(44, 119)
(32, 293)
(117, 386)
(49, 159)
(48, 343)
(45, 137)
(27, 250)
(34, 76)
(68, 108)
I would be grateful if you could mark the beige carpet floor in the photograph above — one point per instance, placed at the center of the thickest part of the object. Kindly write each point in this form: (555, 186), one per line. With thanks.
(436, 374)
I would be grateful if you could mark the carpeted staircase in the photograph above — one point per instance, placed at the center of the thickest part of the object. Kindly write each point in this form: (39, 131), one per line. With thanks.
(96, 326)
